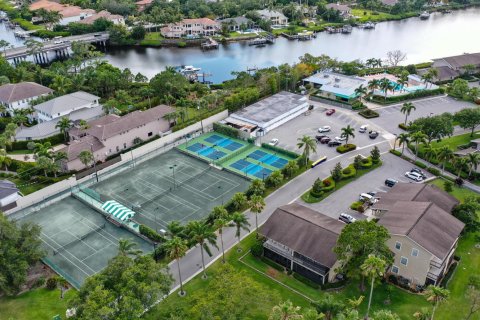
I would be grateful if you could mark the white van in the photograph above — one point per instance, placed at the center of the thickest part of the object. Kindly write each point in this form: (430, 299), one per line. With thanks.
(365, 197)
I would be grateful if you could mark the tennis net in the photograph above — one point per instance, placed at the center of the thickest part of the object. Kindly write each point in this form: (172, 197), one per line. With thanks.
(79, 238)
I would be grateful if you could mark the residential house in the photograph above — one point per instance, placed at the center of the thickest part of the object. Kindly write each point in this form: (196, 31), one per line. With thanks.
(15, 96)
(424, 234)
(275, 17)
(237, 23)
(64, 105)
(111, 134)
(451, 67)
(389, 3)
(69, 13)
(344, 10)
(191, 28)
(104, 14)
(143, 4)
(9, 193)
(336, 86)
(302, 240)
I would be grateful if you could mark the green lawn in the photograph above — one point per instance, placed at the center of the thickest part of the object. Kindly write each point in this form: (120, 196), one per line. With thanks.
(35, 304)
(152, 39)
(376, 16)
(26, 151)
(453, 142)
(459, 193)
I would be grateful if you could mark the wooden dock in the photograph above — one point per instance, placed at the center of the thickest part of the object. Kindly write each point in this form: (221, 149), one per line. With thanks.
(210, 44)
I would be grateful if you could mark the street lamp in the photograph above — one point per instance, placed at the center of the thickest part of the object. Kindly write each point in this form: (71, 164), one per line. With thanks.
(94, 162)
(221, 194)
(263, 176)
(173, 173)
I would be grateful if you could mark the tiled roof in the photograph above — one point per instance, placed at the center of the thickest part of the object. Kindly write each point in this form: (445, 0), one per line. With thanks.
(65, 10)
(12, 92)
(77, 146)
(205, 21)
(339, 7)
(102, 14)
(66, 102)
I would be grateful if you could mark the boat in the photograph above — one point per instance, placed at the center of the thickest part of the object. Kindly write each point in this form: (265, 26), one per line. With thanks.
(347, 29)
(369, 25)
(189, 69)
(425, 15)
(447, 11)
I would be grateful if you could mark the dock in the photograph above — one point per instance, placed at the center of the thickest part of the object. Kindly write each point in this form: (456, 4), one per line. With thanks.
(268, 39)
(209, 44)
(303, 36)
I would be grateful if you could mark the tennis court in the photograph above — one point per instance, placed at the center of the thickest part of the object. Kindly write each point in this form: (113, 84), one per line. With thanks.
(171, 187)
(78, 241)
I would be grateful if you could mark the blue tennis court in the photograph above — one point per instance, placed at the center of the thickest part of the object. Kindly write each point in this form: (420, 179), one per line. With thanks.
(215, 155)
(214, 138)
(195, 147)
(263, 173)
(257, 154)
(232, 146)
(240, 164)
(279, 163)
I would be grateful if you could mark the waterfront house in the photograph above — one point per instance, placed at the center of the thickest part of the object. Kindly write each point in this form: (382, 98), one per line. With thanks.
(110, 134)
(302, 240)
(191, 27)
(69, 13)
(237, 23)
(344, 10)
(335, 86)
(454, 66)
(424, 234)
(104, 14)
(15, 96)
(275, 17)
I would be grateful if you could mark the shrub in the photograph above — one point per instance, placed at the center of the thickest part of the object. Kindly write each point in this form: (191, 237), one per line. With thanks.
(346, 148)
(375, 155)
(274, 180)
(358, 105)
(159, 253)
(316, 194)
(151, 234)
(348, 172)
(420, 164)
(226, 130)
(306, 281)
(366, 163)
(368, 114)
(47, 34)
(448, 186)
(273, 264)
(357, 206)
(413, 95)
(403, 126)
(337, 172)
(396, 152)
(40, 282)
(433, 171)
(257, 248)
(317, 185)
(181, 44)
(52, 283)
(459, 182)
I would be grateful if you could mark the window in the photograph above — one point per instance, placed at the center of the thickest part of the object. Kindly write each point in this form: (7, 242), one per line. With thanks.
(395, 269)
(124, 146)
(150, 134)
(414, 252)
(404, 261)
(398, 245)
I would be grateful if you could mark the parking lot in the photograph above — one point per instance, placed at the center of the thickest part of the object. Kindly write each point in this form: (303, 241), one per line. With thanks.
(393, 167)
(288, 133)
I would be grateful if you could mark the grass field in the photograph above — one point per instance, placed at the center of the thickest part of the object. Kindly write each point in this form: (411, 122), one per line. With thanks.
(375, 16)
(152, 39)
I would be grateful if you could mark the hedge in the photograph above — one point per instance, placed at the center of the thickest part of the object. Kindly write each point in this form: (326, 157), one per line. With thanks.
(272, 264)
(346, 148)
(449, 275)
(403, 126)
(151, 234)
(357, 206)
(366, 163)
(420, 164)
(287, 153)
(226, 130)
(349, 172)
(368, 114)
(396, 152)
(413, 95)
(47, 34)
(433, 171)
(54, 140)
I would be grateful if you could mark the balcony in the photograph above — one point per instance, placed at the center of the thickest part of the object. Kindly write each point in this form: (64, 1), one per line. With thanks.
(310, 264)
(277, 248)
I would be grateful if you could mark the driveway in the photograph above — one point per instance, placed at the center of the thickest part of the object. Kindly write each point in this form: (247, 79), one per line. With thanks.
(393, 167)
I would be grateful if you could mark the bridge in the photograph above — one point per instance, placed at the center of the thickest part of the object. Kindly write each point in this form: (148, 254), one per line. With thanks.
(60, 46)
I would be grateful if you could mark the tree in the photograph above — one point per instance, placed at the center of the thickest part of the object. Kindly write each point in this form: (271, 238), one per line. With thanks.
(308, 144)
(430, 152)
(176, 229)
(219, 224)
(62, 283)
(4, 159)
(385, 85)
(372, 267)
(468, 118)
(473, 159)
(385, 315)
(459, 163)
(436, 295)
(395, 57)
(275, 179)
(329, 305)
(44, 164)
(240, 222)
(348, 132)
(473, 296)
(257, 187)
(285, 311)
(64, 124)
(170, 82)
(126, 247)
(467, 213)
(21, 248)
(4, 45)
(469, 69)
(175, 248)
(361, 91)
(256, 204)
(337, 172)
(86, 157)
(459, 88)
(406, 109)
(373, 85)
(375, 155)
(417, 138)
(239, 200)
(435, 127)
(203, 235)
(357, 162)
(290, 169)
(423, 314)
(358, 240)
(444, 155)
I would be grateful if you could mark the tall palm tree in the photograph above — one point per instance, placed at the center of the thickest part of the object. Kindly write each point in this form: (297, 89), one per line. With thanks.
(402, 82)
(64, 124)
(436, 295)
(418, 137)
(361, 92)
(372, 267)
(373, 85)
(371, 62)
(176, 248)
(240, 222)
(430, 152)
(403, 140)
(473, 161)
(4, 159)
(406, 109)
(445, 154)
(86, 157)
(348, 132)
(44, 149)
(256, 204)
(203, 235)
(308, 144)
(175, 229)
(385, 85)
(126, 247)
(459, 163)
(219, 224)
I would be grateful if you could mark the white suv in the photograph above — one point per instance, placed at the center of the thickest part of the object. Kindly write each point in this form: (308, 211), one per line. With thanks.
(324, 129)
(414, 176)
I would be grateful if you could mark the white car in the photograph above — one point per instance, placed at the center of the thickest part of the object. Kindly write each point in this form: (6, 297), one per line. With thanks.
(363, 129)
(273, 142)
(346, 218)
(341, 138)
(324, 129)
(414, 176)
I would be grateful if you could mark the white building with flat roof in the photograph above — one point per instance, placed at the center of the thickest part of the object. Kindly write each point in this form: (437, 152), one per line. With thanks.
(64, 105)
(336, 86)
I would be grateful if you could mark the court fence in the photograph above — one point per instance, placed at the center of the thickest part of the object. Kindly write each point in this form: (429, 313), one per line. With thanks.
(59, 271)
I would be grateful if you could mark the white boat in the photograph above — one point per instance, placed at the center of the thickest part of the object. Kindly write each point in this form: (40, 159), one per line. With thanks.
(189, 69)
(425, 15)
(369, 25)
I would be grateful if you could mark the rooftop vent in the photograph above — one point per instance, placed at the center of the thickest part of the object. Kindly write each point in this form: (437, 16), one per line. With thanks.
(337, 79)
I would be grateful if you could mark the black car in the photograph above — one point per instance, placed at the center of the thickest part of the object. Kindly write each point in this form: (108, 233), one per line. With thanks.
(373, 134)
(320, 137)
(334, 143)
(420, 172)
(390, 182)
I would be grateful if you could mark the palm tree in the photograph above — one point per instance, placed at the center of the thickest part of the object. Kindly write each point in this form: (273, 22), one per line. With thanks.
(285, 311)
(361, 91)
(430, 152)
(402, 82)
(403, 139)
(240, 222)
(371, 62)
(372, 267)
(418, 137)
(175, 229)
(63, 285)
(64, 124)
(445, 154)
(348, 132)
(427, 77)
(373, 85)
(219, 224)
(424, 314)
(406, 109)
(126, 247)
(4, 159)
(385, 85)
(44, 149)
(473, 161)
(176, 248)
(203, 235)
(469, 69)
(436, 295)
(86, 157)
(169, 117)
(308, 144)
(459, 163)
(256, 205)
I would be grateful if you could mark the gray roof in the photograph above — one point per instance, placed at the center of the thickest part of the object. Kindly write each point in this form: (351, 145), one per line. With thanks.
(85, 143)
(337, 83)
(12, 92)
(268, 109)
(389, 2)
(271, 13)
(459, 61)
(237, 20)
(67, 102)
(47, 128)
(338, 7)
(7, 188)
(305, 231)
(446, 73)
(425, 223)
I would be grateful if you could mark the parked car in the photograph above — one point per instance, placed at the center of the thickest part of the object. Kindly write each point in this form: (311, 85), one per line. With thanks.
(373, 134)
(324, 129)
(273, 142)
(330, 112)
(320, 137)
(341, 138)
(363, 128)
(325, 140)
(420, 172)
(346, 218)
(414, 176)
(365, 197)
(390, 182)
(334, 143)
(372, 193)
